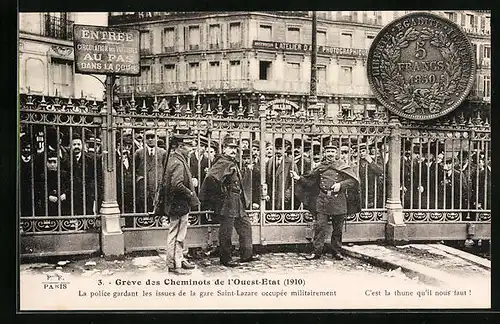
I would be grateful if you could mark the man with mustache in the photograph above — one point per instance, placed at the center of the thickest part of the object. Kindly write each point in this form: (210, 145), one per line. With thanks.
(330, 190)
(179, 198)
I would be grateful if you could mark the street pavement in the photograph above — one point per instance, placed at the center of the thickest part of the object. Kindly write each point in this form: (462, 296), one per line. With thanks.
(365, 273)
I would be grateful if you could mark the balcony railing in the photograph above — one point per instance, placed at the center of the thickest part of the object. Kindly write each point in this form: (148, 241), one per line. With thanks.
(297, 87)
(186, 86)
(56, 27)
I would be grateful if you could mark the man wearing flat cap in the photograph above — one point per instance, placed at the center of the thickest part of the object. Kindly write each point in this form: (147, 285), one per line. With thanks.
(222, 191)
(149, 165)
(179, 198)
(331, 190)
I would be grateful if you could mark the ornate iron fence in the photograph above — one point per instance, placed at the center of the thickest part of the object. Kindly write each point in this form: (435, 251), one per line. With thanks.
(59, 195)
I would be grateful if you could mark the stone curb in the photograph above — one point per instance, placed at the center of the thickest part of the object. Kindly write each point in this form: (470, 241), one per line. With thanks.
(481, 262)
(424, 274)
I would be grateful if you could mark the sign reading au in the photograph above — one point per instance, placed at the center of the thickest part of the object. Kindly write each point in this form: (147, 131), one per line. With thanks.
(106, 50)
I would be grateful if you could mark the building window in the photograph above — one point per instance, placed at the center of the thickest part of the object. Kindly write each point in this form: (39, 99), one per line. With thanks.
(369, 40)
(235, 70)
(486, 52)
(321, 38)
(194, 38)
(293, 35)
(146, 75)
(265, 70)
(345, 77)
(293, 71)
(321, 74)
(194, 72)
(450, 15)
(57, 25)
(487, 24)
(62, 76)
(470, 20)
(214, 35)
(345, 15)
(169, 39)
(145, 42)
(214, 72)
(369, 17)
(265, 33)
(168, 73)
(234, 35)
(487, 86)
(346, 40)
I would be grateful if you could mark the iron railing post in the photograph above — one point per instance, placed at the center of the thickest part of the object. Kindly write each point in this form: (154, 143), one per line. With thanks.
(112, 239)
(263, 185)
(396, 231)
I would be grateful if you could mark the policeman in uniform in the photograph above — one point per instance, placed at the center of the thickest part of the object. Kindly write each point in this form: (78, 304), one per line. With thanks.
(222, 192)
(330, 190)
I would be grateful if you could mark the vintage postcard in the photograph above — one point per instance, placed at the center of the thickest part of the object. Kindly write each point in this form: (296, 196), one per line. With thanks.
(254, 160)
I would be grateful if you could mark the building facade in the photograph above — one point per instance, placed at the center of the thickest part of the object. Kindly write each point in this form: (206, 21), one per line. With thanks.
(224, 58)
(46, 55)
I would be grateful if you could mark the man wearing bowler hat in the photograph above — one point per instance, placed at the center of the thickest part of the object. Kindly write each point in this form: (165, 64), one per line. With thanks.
(331, 190)
(222, 191)
(149, 165)
(179, 198)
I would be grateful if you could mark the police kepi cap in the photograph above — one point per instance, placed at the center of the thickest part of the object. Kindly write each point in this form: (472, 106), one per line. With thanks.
(255, 143)
(230, 141)
(330, 145)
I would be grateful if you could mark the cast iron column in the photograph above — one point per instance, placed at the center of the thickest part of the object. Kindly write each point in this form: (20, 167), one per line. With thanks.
(112, 241)
(396, 232)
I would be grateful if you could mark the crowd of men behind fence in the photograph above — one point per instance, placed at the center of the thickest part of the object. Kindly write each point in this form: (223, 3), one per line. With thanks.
(61, 171)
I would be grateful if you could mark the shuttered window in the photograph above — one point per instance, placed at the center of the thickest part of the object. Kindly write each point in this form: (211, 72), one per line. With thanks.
(321, 38)
(214, 36)
(235, 70)
(169, 39)
(194, 71)
(168, 73)
(265, 33)
(235, 35)
(293, 71)
(293, 35)
(194, 37)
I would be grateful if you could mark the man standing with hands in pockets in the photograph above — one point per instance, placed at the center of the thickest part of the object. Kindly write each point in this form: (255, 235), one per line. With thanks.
(179, 199)
(330, 190)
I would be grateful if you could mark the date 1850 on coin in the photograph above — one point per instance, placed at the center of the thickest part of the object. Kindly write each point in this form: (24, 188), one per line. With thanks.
(421, 66)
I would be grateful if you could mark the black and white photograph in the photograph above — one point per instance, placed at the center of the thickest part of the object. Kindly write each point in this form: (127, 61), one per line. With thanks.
(254, 160)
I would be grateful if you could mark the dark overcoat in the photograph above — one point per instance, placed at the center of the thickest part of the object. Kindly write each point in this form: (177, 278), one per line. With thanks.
(149, 172)
(307, 187)
(178, 193)
(216, 193)
(369, 174)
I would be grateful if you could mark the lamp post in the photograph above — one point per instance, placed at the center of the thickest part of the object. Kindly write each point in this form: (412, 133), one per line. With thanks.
(313, 98)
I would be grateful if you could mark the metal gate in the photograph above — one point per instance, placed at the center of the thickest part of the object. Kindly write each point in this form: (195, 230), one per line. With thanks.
(413, 176)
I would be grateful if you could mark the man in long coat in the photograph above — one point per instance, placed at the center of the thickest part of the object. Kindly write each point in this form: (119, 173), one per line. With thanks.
(149, 164)
(179, 198)
(222, 191)
(279, 182)
(124, 177)
(331, 190)
(369, 172)
(84, 182)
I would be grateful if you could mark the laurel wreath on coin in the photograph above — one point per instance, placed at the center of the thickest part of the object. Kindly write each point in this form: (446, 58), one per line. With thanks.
(392, 82)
